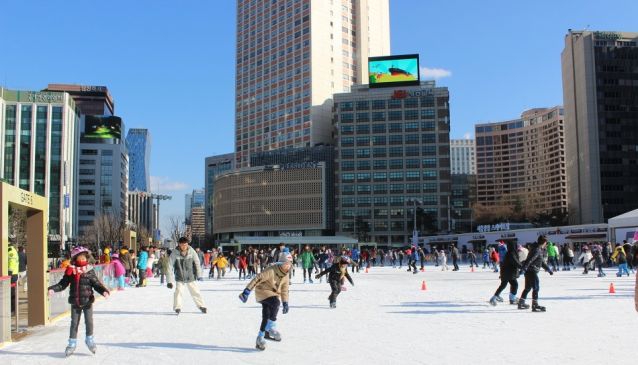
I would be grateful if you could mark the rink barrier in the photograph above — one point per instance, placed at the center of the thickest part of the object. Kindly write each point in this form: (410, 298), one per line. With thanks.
(5, 310)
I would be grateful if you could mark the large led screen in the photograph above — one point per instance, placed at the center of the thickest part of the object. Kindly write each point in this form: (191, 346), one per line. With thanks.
(102, 127)
(390, 71)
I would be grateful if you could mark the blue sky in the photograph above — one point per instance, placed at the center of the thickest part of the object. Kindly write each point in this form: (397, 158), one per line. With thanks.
(170, 64)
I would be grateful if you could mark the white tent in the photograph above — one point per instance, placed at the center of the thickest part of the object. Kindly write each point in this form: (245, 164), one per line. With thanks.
(623, 226)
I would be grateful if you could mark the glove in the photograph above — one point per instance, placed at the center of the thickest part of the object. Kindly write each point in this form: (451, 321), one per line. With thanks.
(51, 292)
(169, 285)
(106, 295)
(285, 310)
(244, 295)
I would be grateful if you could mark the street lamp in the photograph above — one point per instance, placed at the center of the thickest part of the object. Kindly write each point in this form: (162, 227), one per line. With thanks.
(415, 234)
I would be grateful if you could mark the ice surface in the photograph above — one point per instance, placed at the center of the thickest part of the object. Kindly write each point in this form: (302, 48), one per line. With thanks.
(385, 319)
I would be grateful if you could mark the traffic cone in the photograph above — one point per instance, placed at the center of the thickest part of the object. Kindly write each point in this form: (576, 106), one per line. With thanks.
(423, 286)
(612, 290)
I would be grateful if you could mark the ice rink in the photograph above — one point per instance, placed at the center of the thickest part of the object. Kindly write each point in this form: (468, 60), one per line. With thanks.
(385, 319)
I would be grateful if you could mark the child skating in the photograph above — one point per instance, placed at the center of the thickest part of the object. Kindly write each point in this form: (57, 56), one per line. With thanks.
(336, 273)
(270, 285)
(82, 279)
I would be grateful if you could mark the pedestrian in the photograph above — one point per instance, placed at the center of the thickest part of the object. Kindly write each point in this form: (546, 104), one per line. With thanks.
(531, 267)
(149, 263)
(142, 260)
(307, 263)
(336, 274)
(421, 257)
(414, 257)
(455, 258)
(443, 260)
(585, 259)
(599, 260)
(231, 262)
(220, 263)
(14, 272)
(163, 265)
(118, 271)
(620, 258)
(355, 259)
(494, 258)
(183, 270)
(509, 274)
(486, 258)
(552, 256)
(242, 264)
(472, 258)
(270, 285)
(82, 280)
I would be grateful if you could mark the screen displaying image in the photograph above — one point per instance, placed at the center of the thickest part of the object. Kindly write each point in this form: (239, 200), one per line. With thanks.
(393, 70)
(102, 127)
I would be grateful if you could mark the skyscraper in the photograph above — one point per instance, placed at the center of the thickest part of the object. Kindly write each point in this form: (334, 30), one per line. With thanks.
(213, 166)
(600, 70)
(138, 141)
(291, 57)
(463, 155)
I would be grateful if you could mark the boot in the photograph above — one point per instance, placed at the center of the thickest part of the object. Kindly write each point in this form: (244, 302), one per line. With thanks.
(333, 305)
(522, 305)
(498, 298)
(203, 309)
(493, 301)
(513, 299)
(90, 343)
(271, 331)
(536, 307)
(260, 343)
(70, 348)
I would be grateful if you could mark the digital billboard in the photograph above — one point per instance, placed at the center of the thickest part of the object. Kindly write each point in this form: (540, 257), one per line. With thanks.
(388, 71)
(100, 127)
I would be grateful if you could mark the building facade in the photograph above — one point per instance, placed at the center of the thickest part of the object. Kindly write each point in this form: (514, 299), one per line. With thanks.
(600, 70)
(521, 162)
(214, 166)
(138, 141)
(463, 156)
(188, 201)
(198, 226)
(142, 211)
(291, 57)
(102, 174)
(196, 199)
(90, 99)
(40, 138)
(393, 156)
(271, 201)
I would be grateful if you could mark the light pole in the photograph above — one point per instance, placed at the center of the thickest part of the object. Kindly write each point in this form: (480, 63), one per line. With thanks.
(415, 234)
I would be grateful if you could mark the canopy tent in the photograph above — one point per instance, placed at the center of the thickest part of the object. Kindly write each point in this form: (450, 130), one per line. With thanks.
(621, 225)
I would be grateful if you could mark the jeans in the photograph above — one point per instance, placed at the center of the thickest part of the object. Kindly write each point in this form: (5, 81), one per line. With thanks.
(76, 314)
(309, 271)
(269, 309)
(622, 268)
(532, 283)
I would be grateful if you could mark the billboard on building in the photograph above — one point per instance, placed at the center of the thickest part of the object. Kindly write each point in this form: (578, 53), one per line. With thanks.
(389, 71)
(102, 127)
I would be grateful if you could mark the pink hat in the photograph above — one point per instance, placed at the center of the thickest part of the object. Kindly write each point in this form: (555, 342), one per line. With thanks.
(78, 250)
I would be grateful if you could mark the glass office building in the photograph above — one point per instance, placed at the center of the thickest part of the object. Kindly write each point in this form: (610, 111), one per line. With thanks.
(214, 166)
(138, 141)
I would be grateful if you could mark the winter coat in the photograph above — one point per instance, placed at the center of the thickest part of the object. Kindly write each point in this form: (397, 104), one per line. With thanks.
(271, 282)
(619, 256)
(150, 261)
(535, 261)
(106, 257)
(522, 254)
(82, 281)
(502, 250)
(486, 255)
(220, 262)
(118, 268)
(355, 254)
(336, 273)
(455, 253)
(163, 264)
(183, 268)
(126, 259)
(142, 260)
(242, 262)
(511, 264)
(307, 260)
(551, 250)
(14, 261)
(494, 257)
(636, 294)
(585, 257)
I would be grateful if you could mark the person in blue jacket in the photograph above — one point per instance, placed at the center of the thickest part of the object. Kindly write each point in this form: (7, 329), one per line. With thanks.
(355, 259)
(142, 260)
(414, 257)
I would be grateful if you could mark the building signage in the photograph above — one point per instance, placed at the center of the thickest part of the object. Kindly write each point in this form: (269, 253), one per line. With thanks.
(402, 94)
(610, 36)
(494, 227)
(290, 234)
(44, 97)
(88, 88)
(299, 165)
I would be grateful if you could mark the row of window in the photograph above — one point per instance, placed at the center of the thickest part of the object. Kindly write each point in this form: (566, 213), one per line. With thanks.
(349, 153)
(347, 189)
(424, 102)
(383, 164)
(383, 116)
(346, 129)
(392, 139)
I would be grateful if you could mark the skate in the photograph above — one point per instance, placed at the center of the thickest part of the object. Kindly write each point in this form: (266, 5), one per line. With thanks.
(333, 305)
(522, 305)
(537, 308)
(304, 281)
(90, 344)
(310, 280)
(177, 311)
(203, 309)
(70, 348)
(273, 335)
(498, 298)
(513, 299)
(260, 343)
(493, 301)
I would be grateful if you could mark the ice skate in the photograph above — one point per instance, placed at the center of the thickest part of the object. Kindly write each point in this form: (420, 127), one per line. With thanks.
(260, 343)
(333, 305)
(177, 311)
(203, 309)
(311, 282)
(90, 344)
(522, 305)
(304, 281)
(513, 299)
(70, 348)
(493, 301)
(273, 335)
(537, 308)
(499, 299)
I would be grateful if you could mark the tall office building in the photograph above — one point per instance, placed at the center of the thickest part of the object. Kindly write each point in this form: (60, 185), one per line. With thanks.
(600, 73)
(188, 201)
(102, 174)
(393, 156)
(138, 141)
(40, 139)
(463, 156)
(142, 211)
(521, 162)
(90, 99)
(291, 57)
(214, 166)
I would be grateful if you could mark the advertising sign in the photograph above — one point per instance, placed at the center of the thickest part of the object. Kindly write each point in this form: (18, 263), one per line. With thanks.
(389, 71)
(100, 127)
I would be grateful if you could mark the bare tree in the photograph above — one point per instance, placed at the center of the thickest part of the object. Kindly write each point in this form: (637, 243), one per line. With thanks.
(18, 225)
(177, 227)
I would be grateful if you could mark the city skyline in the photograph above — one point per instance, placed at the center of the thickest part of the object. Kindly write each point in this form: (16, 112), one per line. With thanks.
(146, 77)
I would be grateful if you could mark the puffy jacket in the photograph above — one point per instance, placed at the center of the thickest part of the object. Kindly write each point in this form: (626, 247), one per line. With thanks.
(142, 260)
(14, 261)
(106, 256)
(184, 268)
(163, 264)
(502, 250)
(220, 262)
(511, 263)
(585, 257)
(535, 261)
(126, 259)
(619, 255)
(336, 273)
(118, 268)
(82, 281)
(355, 254)
(242, 262)
(270, 283)
(551, 250)
(307, 260)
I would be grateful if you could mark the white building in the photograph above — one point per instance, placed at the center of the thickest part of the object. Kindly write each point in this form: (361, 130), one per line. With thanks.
(463, 156)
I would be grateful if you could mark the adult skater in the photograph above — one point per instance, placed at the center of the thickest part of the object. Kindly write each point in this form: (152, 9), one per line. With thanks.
(532, 266)
(455, 258)
(183, 270)
(336, 274)
(270, 285)
(307, 263)
(414, 257)
(509, 274)
(83, 280)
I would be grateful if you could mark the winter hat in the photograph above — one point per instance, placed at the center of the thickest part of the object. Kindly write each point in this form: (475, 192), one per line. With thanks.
(78, 250)
(286, 250)
(115, 256)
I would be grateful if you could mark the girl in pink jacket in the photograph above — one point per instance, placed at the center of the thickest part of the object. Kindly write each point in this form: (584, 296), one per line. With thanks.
(118, 271)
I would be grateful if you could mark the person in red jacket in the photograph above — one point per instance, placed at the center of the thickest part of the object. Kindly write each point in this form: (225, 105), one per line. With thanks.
(243, 264)
(494, 258)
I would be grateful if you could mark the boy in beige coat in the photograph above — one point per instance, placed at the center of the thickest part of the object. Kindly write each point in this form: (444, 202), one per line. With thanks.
(269, 286)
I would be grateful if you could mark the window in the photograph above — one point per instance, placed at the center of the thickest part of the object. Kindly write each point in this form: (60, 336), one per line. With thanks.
(380, 176)
(363, 164)
(364, 177)
(412, 175)
(363, 189)
(411, 150)
(412, 164)
(380, 164)
(396, 164)
(396, 151)
(427, 113)
(347, 189)
(347, 165)
(347, 153)
(428, 126)
(347, 202)
(378, 104)
(363, 152)
(429, 162)
(396, 188)
(412, 126)
(429, 174)
(347, 129)
(395, 104)
(362, 105)
(381, 200)
(428, 150)
(395, 115)
(346, 106)
(395, 139)
(411, 103)
(430, 187)
(347, 141)
(396, 127)
(378, 128)
(347, 178)
(428, 138)
(363, 117)
(413, 188)
(347, 118)
(411, 114)
(363, 129)
(380, 189)
(378, 140)
(412, 139)
(378, 116)
(396, 176)
(379, 152)
(396, 200)
(363, 141)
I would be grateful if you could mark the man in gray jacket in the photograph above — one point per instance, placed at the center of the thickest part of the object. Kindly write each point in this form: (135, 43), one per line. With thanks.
(184, 269)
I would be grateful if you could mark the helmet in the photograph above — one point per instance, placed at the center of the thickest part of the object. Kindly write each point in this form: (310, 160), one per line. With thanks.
(78, 250)
(115, 256)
